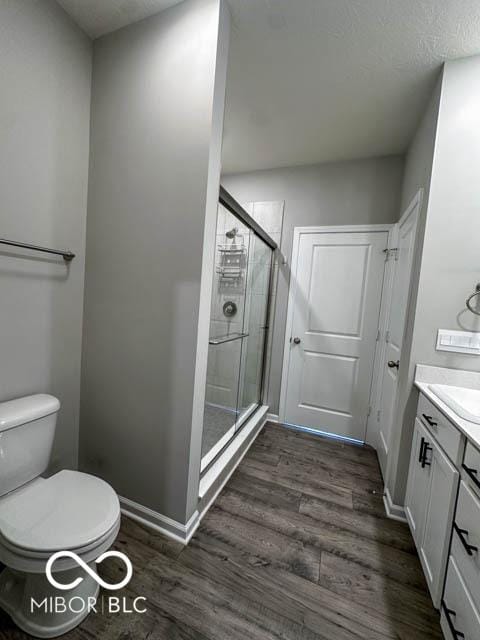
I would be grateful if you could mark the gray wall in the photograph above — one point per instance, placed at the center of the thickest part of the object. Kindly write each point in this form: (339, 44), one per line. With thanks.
(356, 192)
(45, 73)
(418, 173)
(450, 262)
(419, 158)
(151, 149)
(451, 253)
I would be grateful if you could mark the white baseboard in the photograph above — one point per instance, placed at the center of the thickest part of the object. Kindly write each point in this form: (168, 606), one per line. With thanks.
(272, 417)
(154, 520)
(393, 511)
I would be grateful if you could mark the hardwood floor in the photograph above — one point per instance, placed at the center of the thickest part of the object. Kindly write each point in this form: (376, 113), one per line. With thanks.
(296, 547)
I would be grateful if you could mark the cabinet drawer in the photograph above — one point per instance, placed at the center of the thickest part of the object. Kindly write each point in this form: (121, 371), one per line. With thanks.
(459, 615)
(471, 467)
(466, 540)
(448, 436)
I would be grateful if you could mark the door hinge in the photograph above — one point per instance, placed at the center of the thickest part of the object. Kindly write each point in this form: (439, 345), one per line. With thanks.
(378, 335)
(387, 336)
(369, 411)
(391, 253)
(379, 413)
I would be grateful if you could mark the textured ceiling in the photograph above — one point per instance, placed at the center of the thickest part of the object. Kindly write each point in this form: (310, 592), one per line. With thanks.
(320, 80)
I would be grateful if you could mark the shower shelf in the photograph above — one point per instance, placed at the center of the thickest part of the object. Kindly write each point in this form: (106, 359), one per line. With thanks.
(230, 272)
(223, 248)
(231, 266)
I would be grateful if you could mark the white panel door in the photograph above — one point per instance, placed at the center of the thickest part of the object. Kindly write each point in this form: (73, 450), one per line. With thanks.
(337, 279)
(403, 255)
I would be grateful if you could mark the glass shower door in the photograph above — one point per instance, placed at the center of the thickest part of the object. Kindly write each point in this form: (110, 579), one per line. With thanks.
(226, 334)
(238, 328)
(255, 327)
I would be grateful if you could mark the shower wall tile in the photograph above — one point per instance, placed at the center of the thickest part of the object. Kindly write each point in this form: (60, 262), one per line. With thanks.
(269, 215)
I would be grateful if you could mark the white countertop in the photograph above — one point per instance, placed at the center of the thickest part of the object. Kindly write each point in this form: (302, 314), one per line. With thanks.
(469, 429)
(426, 375)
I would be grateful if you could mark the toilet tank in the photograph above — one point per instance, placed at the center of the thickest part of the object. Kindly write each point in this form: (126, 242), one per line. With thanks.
(27, 427)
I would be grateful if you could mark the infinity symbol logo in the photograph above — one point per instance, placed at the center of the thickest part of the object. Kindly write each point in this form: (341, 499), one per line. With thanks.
(87, 569)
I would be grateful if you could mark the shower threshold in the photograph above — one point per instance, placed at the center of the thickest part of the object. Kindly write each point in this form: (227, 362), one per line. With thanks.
(218, 473)
(219, 428)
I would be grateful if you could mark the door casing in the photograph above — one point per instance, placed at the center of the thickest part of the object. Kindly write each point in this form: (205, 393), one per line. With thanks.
(375, 434)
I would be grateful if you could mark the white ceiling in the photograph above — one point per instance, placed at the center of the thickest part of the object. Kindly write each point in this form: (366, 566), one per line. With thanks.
(321, 80)
(97, 17)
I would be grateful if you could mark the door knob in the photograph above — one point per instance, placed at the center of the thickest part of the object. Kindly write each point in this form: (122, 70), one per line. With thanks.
(296, 340)
(393, 365)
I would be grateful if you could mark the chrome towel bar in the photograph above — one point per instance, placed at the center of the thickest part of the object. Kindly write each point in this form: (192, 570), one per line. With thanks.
(68, 256)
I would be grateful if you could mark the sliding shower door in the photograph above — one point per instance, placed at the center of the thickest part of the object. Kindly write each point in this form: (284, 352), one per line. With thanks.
(225, 349)
(255, 327)
(238, 331)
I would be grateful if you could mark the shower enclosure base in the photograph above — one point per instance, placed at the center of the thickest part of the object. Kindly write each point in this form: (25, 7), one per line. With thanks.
(213, 480)
(219, 427)
(217, 423)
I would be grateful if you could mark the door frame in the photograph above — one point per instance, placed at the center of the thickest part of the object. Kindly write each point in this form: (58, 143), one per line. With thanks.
(372, 432)
(373, 429)
(297, 234)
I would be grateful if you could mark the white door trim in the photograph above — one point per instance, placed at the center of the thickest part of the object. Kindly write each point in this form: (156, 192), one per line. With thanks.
(414, 208)
(297, 233)
(371, 434)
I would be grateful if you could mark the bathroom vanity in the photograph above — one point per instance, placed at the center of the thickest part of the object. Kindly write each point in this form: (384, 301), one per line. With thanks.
(442, 502)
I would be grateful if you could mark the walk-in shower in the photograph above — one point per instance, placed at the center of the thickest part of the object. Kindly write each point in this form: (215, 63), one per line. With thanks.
(238, 325)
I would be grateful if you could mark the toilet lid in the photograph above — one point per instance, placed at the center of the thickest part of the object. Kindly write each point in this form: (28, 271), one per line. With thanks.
(67, 511)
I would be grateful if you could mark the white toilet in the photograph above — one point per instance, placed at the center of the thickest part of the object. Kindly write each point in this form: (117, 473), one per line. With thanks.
(69, 511)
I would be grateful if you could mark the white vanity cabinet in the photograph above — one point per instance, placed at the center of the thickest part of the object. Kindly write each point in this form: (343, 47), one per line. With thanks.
(430, 499)
(442, 506)
(461, 600)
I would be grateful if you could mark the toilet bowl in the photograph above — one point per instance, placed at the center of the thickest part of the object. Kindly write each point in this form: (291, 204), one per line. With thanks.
(69, 511)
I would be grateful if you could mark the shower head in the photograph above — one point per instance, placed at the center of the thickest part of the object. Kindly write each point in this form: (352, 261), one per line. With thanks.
(232, 233)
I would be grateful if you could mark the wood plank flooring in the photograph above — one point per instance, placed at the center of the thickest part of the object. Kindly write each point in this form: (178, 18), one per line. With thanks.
(296, 547)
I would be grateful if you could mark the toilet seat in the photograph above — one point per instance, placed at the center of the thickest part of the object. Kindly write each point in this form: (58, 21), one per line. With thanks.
(69, 511)
(32, 562)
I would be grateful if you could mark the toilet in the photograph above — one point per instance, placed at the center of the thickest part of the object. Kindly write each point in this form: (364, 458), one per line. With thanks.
(69, 511)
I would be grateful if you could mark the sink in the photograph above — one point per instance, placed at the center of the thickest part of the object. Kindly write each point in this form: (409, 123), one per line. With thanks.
(465, 402)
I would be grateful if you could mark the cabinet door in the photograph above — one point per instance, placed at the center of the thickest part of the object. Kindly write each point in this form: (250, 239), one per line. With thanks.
(418, 485)
(438, 517)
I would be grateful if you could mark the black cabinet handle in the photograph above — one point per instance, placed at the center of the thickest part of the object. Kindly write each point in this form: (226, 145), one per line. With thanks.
(426, 449)
(463, 534)
(429, 420)
(472, 474)
(449, 613)
(422, 444)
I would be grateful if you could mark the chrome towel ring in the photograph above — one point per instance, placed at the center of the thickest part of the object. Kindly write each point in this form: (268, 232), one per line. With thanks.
(470, 298)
